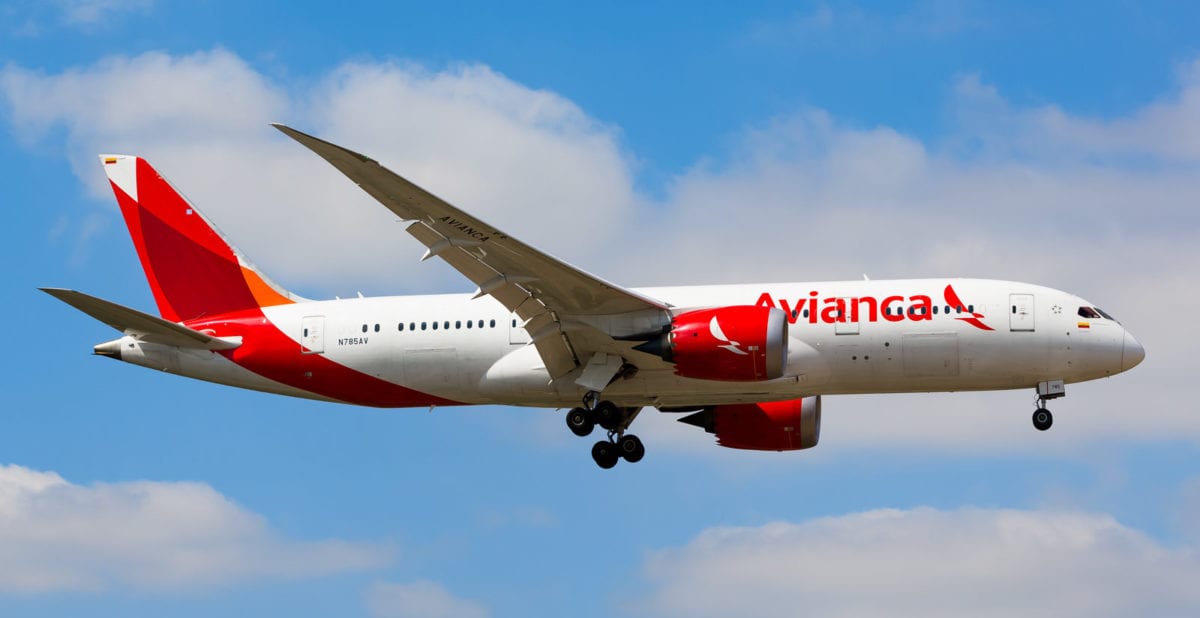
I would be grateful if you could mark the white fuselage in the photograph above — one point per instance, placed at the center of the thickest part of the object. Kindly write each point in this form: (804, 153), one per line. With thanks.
(473, 351)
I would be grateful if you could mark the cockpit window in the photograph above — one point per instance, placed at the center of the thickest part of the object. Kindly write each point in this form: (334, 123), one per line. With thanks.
(1088, 312)
(1106, 316)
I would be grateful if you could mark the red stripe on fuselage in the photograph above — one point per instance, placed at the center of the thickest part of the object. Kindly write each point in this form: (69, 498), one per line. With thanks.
(268, 352)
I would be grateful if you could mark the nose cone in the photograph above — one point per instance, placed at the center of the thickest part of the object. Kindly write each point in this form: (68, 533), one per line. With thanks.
(1132, 353)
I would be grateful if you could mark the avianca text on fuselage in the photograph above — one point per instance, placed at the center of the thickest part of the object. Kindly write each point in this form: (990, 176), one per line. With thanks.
(895, 308)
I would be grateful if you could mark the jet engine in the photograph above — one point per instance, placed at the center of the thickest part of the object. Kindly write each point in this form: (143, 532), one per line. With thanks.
(731, 344)
(770, 426)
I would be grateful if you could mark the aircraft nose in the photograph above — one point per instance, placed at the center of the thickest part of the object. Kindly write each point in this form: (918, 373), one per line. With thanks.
(1132, 353)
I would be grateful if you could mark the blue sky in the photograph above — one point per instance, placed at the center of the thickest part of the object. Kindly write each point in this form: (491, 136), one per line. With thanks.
(654, 143)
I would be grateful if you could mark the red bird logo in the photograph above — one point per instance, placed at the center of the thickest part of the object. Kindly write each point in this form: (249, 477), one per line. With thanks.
(953, 300)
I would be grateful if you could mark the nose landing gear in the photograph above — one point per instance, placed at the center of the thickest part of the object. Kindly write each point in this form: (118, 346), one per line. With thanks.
(616, 420)
(1042, 418)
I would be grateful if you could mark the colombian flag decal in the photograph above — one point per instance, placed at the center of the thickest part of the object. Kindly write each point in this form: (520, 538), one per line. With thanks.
(110, 160)
(1085, 325)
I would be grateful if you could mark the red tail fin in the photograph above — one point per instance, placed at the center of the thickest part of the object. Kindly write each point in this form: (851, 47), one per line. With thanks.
(192, 270)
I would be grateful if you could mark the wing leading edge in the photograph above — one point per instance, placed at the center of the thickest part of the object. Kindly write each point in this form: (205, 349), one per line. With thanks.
(571, 316)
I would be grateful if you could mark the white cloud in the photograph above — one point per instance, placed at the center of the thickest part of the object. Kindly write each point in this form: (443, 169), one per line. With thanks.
(56, 536)
(1185, 512)
(522, 159)
(1100, 207)
(91, 12)
(1164, 130)
(419, 599)
(925, 562)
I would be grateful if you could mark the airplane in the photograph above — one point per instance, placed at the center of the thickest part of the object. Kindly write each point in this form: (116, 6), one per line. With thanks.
(748, 363)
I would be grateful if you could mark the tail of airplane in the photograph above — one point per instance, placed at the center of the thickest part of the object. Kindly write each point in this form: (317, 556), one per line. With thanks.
(192, 270)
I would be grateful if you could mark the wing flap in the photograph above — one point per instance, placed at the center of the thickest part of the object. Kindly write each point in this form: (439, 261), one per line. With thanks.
(141, 325)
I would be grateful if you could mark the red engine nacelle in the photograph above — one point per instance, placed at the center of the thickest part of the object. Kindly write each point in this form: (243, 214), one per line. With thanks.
(769, 426)
(734, 344)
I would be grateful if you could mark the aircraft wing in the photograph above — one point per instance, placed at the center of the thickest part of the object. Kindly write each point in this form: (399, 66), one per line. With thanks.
(141, 325)
(571, 315)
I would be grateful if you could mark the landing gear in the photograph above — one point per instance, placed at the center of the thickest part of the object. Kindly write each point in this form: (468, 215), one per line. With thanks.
(607, 415)
(628, 447)
(614, 419)
(1042, 419)
(631, 449)
(604, 453)
(580, 421)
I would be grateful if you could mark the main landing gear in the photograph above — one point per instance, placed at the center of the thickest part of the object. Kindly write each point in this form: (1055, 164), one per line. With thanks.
(615, 420)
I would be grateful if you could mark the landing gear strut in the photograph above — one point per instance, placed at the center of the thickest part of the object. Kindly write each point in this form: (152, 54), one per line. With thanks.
(615, 420)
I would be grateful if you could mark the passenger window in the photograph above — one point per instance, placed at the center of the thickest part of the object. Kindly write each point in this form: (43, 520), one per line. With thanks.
(376, 328)
(412, 326)
(422, 325)
(480, 324)
(435, 326)
(457, 324)
(364, 328)
(935, 310)
(493, 324)
(971, 308)
(446, 325)
(806, 313)
(402, 327)
(514, 323)
(306, 332)
(469, 322)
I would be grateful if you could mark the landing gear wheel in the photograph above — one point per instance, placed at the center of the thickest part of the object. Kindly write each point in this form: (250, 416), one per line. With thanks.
(607, 415)
(630, 448)
(605, 454)
(1042, 419)
(580, 421)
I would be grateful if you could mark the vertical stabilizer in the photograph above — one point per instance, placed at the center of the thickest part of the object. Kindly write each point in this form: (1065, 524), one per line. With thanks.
(192, 270)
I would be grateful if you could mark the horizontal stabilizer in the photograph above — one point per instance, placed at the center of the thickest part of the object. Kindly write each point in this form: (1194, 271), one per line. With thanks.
(141, 325)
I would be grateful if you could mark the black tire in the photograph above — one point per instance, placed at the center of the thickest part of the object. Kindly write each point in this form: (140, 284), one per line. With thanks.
(580, 421)
(1042, 419)
(607, 415)
(631, 449)
(604, 453)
